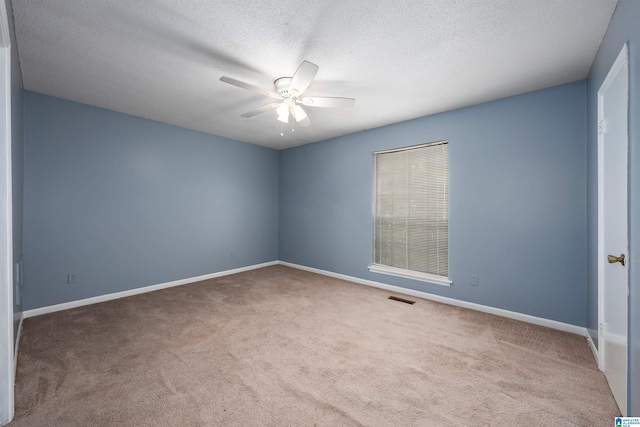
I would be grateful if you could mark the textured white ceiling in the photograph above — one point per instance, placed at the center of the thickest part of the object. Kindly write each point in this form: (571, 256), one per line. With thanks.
(162, 59)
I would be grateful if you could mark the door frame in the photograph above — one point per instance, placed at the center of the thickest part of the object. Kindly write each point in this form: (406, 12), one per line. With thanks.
(6, 227)
(621, 61)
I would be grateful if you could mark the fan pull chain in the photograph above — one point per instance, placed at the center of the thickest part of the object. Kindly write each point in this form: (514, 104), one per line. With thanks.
(281, 133)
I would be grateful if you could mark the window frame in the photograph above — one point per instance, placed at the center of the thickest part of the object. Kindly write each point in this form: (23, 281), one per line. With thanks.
(396, 271)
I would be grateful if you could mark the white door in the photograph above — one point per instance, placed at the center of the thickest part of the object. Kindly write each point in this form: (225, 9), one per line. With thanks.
(612, 223)
(6, 247)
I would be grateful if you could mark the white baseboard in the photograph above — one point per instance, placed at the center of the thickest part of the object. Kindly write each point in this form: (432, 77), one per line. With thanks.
(145, 289)
(594, 349)
(553, 324)
(15, 348)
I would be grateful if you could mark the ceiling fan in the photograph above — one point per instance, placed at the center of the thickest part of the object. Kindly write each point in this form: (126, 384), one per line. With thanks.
(289, 90)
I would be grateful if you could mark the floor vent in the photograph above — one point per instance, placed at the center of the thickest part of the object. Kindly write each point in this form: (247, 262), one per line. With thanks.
(406, 301)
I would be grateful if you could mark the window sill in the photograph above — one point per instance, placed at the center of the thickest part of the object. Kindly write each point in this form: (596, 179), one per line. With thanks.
(408, 274)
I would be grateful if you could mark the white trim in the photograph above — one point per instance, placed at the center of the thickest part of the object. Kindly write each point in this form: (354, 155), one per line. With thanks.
(593, 348)
(600, 261)
(411, 147)
(616, 339)
(553, 324)
(5, 38)
(6, 230)
(621, 60)
(145, 289)
(408, 274)
(17, 345)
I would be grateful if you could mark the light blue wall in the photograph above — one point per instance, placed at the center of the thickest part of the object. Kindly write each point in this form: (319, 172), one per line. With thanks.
(17, 158)
(124, 202)
(517, 202)
(624, 27)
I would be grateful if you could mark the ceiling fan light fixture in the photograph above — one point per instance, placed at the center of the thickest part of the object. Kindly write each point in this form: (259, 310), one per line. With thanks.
(298, 113)
(283, 113)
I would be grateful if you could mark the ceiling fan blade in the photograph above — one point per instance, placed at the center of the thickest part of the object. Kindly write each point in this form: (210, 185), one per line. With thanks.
(303, 77)
(249, 87)
(328, 102)
(260, 110)
(300, 115)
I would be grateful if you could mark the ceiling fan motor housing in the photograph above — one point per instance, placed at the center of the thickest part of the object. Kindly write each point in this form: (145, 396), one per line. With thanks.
(282, 88)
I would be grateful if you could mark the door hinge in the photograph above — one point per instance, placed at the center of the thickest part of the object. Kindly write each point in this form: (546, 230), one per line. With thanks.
(602, 127)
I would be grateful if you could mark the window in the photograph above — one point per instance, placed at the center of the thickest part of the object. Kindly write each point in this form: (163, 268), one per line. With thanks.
(411, 212)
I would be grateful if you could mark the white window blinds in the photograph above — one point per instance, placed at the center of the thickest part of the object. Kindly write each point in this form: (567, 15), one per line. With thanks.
(411, 209)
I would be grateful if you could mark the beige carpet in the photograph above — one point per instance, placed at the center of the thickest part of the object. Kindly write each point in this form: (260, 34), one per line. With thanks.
(282, 347)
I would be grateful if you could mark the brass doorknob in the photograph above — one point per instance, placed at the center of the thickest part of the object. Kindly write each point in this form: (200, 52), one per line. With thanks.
(613, 259)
